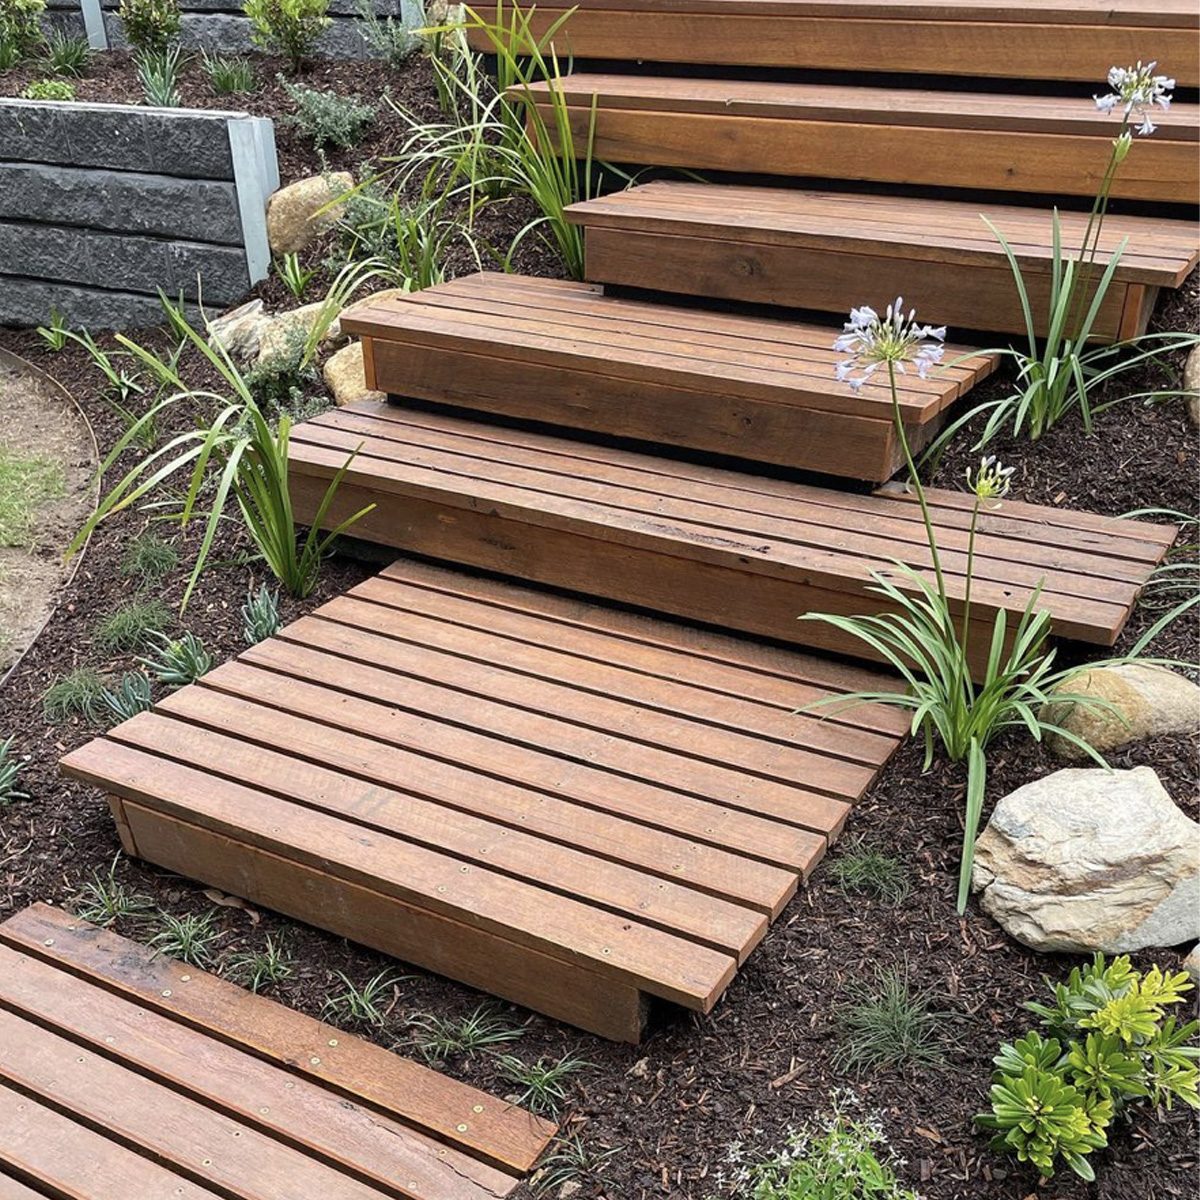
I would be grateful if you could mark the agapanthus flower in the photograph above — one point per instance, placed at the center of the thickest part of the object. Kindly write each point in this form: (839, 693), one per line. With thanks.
(1137, 90)
(991, 480)
(871, 341)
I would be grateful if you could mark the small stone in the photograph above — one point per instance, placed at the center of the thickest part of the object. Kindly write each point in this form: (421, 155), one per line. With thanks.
(297, 214)
(1088, 859)
(1191, 384)
(571, 1188)
(283, 332)
(1191, 964)
(239, 331)
(1146, 700)
(346, 378)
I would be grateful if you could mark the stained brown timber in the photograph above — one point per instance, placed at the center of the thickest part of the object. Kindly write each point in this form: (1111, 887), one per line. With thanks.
(1032, 144)
(571, 807)
(830, 251)
(714, 545)
(974, 38)
(124, 1073)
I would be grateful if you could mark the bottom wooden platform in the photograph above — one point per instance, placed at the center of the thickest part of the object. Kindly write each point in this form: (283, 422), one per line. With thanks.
(569, 806)
(124, 1074)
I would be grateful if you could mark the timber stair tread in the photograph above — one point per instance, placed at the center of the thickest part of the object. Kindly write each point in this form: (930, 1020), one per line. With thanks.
(628, 800)
(126, 1073)
(734, 529)
(563, 353)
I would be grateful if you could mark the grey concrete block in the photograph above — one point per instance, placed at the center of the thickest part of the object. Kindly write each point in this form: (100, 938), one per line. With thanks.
(139, 264)
(28, 302)
(196, 210)
(122, 137)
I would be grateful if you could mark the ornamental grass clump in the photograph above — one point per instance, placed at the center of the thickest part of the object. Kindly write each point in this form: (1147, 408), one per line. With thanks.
(1111, 1044)
(926, 633)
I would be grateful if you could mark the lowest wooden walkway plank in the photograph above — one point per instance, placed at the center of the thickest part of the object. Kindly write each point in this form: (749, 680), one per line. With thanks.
(571, 807)
(124, 1073)
(564, 354)
(1061, 40)
(708, 544)
(831, 251)
(1044, 145)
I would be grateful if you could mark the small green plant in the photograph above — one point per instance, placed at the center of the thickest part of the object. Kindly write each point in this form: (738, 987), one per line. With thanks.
(366, 1005)
(863, 870)
(326, 118)
(1112, 1043)
(260, 615)
(103, 898)
(66, 55)
(158, 71)
(886, 1024)
(841, 1157)
(177, 661)
(132, 626)
(260, 969)
(55, 333)
(188, 938)
(20, 31)
(569, 1161)
(543, 1083)
(121, 385)
(126, 698)
(74, 695)
(229, 75)
(394, 40)
(151, 26)
(446, 1037)
(149, 558)
(10, 767)
(49, 89)
(296, 277)
(1174, 585)
(26, 484)
(288, 27)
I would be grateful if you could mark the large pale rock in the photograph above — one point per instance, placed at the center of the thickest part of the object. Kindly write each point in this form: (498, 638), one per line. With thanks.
(297, 213)
(1088, 859)
(1146, 700)
(239, 332)
(1191, 384)
(345, 376)
(283, 332)
(1191, 964)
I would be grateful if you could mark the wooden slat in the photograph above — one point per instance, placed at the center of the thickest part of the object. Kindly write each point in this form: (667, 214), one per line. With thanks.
(10, 1189)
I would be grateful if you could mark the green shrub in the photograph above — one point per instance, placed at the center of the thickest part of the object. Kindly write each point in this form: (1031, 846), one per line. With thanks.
(394, 40)
(152, 26)
(67, 55)
(49, 89)
(327, 118)
(287, 27)
(1112, 1043)
(228, 76)
(20, 31)
(158, 71)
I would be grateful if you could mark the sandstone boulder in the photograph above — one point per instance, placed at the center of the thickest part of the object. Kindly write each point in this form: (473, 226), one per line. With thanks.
(283, 334)
(239, 331)
(1088, 859)
(1191, 384)
(297, 214)
(345, 377)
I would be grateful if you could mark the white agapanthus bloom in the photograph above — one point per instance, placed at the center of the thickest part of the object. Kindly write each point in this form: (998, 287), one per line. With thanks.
(1136, 90)
(870, 341)
(991, 480)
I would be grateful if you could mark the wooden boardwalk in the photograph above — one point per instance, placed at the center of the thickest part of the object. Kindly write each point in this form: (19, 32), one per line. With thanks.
(572, 807)
(128, 1075)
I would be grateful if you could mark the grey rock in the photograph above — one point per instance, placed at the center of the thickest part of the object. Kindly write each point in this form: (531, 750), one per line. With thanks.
(1088, 859)
(1191, 964)
(240, 331)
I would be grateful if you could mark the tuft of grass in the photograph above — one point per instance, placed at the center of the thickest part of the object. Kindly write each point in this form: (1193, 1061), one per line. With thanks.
(444, 1037)
(103, 898)
(177, 661)
(366, 1005)
(229, 75)
(570, 1162)
(149, 558)
(886, 1024)
(132, 626)
(125, 699)
(66, 54)
(10, 768)
(76, 694)
(258, 969)
(187, 938)
(26, 483)
(865, 871)
(543, 1083)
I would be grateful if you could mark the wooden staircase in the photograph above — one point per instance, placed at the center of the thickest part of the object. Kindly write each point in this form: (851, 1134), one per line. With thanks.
(567, 767)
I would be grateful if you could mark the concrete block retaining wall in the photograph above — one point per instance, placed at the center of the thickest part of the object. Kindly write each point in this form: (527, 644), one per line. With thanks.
(102, 204)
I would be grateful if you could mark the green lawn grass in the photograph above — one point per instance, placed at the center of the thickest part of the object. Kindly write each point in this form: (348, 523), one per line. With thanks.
(25, 485)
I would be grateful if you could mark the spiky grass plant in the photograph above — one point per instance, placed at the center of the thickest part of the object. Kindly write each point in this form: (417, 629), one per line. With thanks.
(73, 695)
(66, 54)
(440, 1038)
(230, 75)
(189, 938)
(1174, 585)
(295, 275)
(885, 1024)
(54, 332)
(368, 1004)
(570, 1161)
(132, 626)
(10, 767)
(149, 558)
(260, 615)
(543, 1083)
(102, 898)
(158, 72)
(864, 870)
(260, 969)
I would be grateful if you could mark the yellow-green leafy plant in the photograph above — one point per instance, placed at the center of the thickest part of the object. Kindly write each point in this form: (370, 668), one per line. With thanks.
(151, 26)
(49, 89)
(288, 27)
(1113, 1042)
(20, 30)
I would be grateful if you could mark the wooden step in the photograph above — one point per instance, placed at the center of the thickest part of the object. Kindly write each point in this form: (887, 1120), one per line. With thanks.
(125, 1073)
(574, 808)
(1061, 40)
(734, 550)
(832, 251)
(562, 353)
(1031, 144)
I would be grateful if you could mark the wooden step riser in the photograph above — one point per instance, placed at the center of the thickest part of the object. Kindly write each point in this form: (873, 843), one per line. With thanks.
(656, 580)
(1042, 163)
(760, 432)
(976, 49)
(384, 923)
(965, 297)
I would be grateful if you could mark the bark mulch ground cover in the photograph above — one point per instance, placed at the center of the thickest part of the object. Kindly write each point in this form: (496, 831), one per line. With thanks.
(656, 1121)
